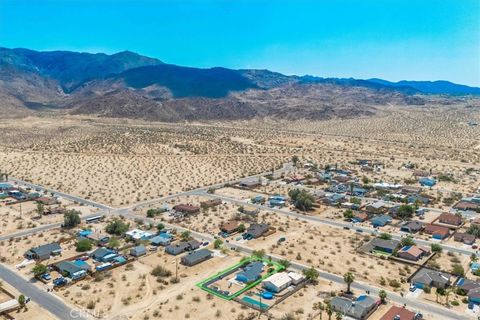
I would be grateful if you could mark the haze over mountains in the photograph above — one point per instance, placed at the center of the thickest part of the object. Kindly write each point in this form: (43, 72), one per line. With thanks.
(127, 84)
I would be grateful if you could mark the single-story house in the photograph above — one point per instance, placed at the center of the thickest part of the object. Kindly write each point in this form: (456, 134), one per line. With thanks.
(410, 190)
(277, 282)
(431, 278)
(411, 226)
(229, 227)
(138, 251)
(418, 199)
(451, 219)
(466, 238)
(180, 247)
(398, 313)
(186, 208)
(210, 203)
(471, 288)
(72, 269)
(258, 199)
(428, 182)
(360, 217)
(44, 252)
(196, 257)
(5, 186)
(48, 201)
(413, 253)
(99, 237)
(357, 309)
(376, 207)
(251, 272)
(463, 205)
(256, 230)
(381, 220)
(104, 254)
(296, 277)
(137, 234)
(387, 246)
(358, 192)
(437, 232)
(163, 239)
(334, 199)
(276, 201)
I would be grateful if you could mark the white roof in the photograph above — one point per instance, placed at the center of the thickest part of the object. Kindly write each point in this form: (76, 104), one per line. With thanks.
(296, 276)
(138, 234)
(279, 279)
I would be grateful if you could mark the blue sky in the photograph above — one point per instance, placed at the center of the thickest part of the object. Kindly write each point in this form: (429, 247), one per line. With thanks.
(394, 40)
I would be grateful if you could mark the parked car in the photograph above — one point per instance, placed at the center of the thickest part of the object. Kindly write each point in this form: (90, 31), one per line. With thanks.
(412, 288)
(59, 282)
(46, 276)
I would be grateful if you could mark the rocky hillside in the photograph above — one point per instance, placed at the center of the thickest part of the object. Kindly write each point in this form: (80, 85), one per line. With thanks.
(127, 84)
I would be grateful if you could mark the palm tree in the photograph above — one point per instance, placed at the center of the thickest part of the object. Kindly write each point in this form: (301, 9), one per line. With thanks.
(448, 293)
(329, 309)
(348, 278)
(318, 306)
(338, 316)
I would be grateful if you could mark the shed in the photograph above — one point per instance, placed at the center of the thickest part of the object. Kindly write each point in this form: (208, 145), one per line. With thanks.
(138, 251)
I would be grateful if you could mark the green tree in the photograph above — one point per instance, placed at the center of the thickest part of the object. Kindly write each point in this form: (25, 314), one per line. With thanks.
(338, 316)
(185, 235)
(348, 214)
(365, 180)
(217, 243)
(40, 208)
(348, 278)
(258, 253)
(113, 243)
(385, 236)
(39, 269)
(311, 273)
(318, 306)
(473, 257)
(436, 247)
(84, 245)
(474, 229)
(160, 227)
(241, 228)
(285, 263)
(22, 300)
(329, 309)
(405, 211)
(407, 241)
(117, 227)
(71, 219)
(301, 199)
(356, 200)
(382, 294)
(458, 270)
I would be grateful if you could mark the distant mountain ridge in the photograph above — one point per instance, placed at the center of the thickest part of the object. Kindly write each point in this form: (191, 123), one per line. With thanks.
(127, 84)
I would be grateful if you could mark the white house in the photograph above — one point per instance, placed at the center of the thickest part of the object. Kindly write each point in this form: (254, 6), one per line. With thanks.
(296, 277)
(277, 282)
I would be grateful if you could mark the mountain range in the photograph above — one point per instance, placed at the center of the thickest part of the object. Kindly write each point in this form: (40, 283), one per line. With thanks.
(127, 84)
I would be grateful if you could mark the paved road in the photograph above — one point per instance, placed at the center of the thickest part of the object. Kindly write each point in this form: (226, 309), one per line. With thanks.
(62, 194)
(28, 232)
(46, 300)
(285, 168)
(62, 311)
(332, 223)
(435, 311)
